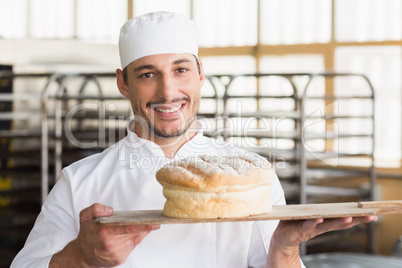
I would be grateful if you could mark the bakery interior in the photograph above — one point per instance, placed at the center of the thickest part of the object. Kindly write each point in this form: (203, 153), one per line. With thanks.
(312, 85)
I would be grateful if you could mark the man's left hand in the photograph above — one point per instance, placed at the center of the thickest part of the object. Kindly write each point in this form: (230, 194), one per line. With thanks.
(284, 248)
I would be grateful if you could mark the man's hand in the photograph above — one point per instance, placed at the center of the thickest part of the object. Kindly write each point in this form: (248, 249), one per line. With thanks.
(100, 245)
(284, 248)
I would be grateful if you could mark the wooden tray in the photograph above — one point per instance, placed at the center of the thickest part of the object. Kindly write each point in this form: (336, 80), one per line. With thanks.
(285, 212)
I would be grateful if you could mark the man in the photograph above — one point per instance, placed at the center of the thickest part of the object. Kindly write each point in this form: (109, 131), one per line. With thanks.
(162, 78)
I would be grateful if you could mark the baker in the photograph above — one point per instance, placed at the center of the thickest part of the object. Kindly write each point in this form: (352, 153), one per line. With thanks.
(162, 77)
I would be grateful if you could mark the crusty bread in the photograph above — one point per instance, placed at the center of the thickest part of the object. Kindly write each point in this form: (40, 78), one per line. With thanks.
(208, 187)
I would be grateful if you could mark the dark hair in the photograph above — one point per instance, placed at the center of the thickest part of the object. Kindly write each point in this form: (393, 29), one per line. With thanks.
(125, 69)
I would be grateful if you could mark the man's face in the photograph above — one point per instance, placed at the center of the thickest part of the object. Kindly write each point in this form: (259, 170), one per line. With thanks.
(164, 91)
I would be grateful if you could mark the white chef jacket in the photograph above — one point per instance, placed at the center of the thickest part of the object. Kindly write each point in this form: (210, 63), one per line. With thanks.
(123, 176)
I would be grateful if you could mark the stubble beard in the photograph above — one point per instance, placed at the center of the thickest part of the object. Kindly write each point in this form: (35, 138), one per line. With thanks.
(172, 134)
(148, 126)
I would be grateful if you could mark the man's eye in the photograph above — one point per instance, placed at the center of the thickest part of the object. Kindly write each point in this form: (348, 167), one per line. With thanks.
(181, 70)
(147, 75)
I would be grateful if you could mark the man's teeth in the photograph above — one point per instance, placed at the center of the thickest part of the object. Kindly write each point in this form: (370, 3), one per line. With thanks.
(174, 109)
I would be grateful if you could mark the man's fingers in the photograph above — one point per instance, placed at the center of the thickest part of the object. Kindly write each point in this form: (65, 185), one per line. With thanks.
(96, 210)
(311, 224)
(292, 233)
(131, 229)
(333, 224)
(357, 220)
(367, 219)
(140, 237)
(320, 226)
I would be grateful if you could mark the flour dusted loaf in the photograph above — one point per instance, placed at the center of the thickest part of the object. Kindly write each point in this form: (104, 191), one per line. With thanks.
(209, 187)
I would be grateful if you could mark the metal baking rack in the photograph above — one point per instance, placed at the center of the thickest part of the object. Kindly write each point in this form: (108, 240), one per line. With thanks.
(308, 174)
(326, 173)
(87, 118)
(251, 120)
(20, 175)
(52, 119)
(211, 105)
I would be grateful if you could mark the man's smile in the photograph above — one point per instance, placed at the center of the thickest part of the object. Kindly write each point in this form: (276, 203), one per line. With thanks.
(169, 108)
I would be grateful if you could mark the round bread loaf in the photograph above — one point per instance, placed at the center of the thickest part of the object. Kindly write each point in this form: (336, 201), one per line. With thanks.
(209, 187)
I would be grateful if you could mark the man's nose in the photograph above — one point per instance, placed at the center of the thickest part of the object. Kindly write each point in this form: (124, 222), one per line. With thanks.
(167, 87)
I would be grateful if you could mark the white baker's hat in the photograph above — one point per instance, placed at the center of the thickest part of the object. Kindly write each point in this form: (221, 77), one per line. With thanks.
(156, 33)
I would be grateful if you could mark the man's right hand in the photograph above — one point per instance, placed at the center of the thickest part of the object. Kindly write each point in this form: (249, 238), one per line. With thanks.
(100, 245)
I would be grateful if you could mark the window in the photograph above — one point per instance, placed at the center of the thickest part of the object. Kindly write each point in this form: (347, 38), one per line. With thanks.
(226, 22)
(295, 21)
(178, 6)
(95, 20)
(50, 19)
(100, 20)
(382, 65)
(13, 19)
(368, 20)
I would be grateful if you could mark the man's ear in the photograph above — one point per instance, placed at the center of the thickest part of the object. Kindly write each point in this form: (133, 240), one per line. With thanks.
(202, 75)
(121, 84)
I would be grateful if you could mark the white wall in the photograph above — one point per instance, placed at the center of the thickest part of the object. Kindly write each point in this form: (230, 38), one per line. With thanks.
(59, 55)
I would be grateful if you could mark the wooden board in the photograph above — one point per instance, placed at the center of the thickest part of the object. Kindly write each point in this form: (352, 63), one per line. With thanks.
(286, 212)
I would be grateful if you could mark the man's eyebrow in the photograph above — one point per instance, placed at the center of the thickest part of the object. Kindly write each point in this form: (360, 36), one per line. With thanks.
(181, 61)
(144, 67)
(152, 67)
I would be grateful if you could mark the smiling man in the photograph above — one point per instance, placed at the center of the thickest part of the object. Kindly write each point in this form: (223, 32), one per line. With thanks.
(162, 77)
(164, 90)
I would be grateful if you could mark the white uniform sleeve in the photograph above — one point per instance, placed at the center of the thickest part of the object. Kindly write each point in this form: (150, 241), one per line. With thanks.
(54, 228)
(262, 231)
